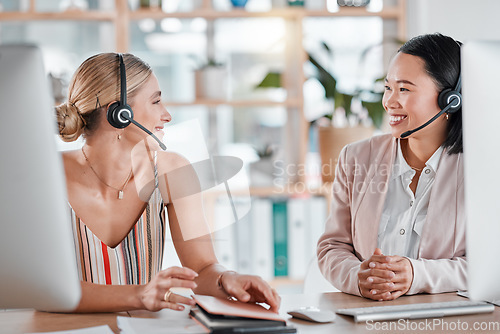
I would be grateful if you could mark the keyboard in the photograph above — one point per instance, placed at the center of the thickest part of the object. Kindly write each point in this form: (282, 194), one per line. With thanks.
(417, 311)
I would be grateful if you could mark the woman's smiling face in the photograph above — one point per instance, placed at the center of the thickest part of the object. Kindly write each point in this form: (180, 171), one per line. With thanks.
(148, 108)
(411, 97)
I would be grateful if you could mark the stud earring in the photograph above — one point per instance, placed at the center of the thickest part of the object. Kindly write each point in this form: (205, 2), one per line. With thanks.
(447, 116)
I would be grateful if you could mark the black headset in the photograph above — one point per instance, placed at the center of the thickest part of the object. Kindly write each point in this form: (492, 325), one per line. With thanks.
(451, 97)
(120, 114)
(449, 100)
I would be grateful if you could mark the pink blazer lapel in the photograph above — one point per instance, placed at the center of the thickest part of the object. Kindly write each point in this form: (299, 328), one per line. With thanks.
(369, 199)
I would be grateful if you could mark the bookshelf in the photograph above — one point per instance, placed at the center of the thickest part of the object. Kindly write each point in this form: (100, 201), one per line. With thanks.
(121, 17)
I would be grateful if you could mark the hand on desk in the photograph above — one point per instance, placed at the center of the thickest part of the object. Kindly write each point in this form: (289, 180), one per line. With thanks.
(383, 277)
(153, 294)
(249, 288)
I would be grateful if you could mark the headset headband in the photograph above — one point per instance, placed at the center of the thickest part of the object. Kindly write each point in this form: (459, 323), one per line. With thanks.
(123, 81)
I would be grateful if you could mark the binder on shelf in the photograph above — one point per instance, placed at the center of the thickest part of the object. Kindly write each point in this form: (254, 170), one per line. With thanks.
(262, 238)
(243, 245)
(224, 236)
(316, 224)
(280, 236)
(277, 239)
(298, 241)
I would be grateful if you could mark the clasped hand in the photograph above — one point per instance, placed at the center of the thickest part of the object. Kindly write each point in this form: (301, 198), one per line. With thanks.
(383, 277)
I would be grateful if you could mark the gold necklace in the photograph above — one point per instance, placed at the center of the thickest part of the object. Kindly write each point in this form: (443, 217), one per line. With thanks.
(120, 191)
(415, 168)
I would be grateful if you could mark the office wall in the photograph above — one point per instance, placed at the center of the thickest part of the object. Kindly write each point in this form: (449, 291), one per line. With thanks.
(462, 19)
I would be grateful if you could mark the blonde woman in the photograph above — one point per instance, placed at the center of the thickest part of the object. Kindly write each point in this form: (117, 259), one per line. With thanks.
(118, 196)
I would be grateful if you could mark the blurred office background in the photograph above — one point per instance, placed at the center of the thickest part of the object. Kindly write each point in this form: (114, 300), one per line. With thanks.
(265, 103)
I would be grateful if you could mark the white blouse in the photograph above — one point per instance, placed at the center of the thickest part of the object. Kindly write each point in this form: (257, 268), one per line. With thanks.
(404, 213)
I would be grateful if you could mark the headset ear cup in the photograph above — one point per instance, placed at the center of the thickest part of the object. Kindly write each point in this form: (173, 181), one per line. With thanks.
(111, 114)
(114, 112)
(445, 96)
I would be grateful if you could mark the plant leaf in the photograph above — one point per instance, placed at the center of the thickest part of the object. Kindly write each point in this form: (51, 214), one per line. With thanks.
(325, 78)
(376, 112)
(272, 79)
(326, 47)
(344, 101)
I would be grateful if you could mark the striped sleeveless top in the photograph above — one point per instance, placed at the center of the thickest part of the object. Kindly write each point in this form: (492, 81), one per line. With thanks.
(136, 259)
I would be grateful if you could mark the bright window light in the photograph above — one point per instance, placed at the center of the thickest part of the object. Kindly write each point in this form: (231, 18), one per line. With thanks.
(171, 25)
(198, 24)
(147, 25)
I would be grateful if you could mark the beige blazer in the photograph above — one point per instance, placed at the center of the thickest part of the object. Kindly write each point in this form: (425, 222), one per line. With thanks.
(351, 232)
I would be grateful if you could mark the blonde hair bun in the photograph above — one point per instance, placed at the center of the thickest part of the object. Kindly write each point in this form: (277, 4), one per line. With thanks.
(71, 123)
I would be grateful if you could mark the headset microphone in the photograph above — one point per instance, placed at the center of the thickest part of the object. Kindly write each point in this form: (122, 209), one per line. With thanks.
(131, 120)
(446, 109)
(449, 100)
(120, 114)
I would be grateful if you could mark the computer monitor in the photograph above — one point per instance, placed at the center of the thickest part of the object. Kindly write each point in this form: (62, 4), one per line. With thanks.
(37, 256)
(481, 130)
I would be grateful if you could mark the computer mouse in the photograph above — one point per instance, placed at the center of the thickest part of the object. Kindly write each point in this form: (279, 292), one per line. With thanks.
(313, 314)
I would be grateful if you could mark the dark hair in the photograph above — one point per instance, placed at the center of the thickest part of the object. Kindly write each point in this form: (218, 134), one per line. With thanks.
(441, 55)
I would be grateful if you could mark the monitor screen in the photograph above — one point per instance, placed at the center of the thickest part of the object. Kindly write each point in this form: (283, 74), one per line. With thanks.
(37, 256)
(481, 131)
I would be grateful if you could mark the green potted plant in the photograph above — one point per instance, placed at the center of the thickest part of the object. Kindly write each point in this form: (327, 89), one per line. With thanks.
(262, 171)
(270, 88)
(211, 81)
(332, 139)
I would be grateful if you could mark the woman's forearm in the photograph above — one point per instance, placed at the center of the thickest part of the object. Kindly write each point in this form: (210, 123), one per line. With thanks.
(207, 281)
(109, 298)
(438, 275)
